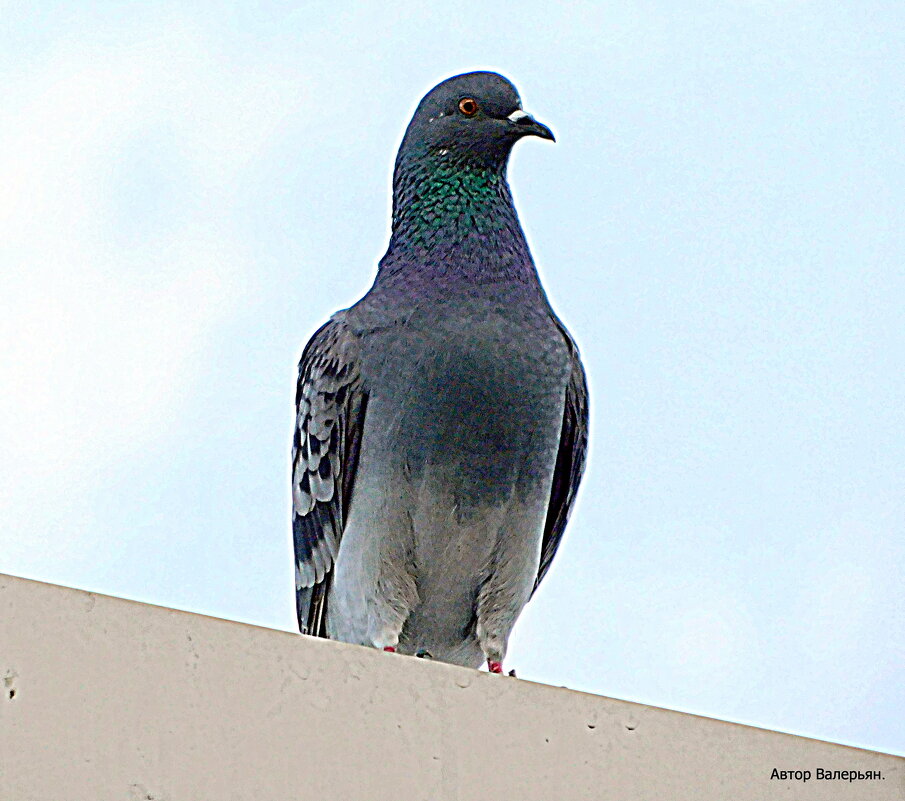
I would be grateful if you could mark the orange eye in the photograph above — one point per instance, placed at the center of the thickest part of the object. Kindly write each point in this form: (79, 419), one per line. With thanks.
(468, 106)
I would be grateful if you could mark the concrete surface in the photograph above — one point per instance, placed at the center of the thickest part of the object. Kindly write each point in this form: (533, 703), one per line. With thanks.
(110, 699)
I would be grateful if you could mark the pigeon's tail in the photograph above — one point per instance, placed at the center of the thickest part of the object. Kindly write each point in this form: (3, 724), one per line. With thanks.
(310, 609)
(303, 607)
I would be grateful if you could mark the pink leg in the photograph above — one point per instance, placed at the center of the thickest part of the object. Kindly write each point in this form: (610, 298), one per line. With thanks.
(494, 667)
(390, 649)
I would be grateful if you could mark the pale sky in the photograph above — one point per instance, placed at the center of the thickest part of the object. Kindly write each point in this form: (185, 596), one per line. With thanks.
(186, 195)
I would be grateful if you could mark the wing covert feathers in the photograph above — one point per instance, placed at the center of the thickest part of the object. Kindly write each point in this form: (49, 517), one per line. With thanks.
(329, 414)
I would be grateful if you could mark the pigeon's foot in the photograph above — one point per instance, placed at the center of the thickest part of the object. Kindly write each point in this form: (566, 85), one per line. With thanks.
(494, 667)
(390, 649)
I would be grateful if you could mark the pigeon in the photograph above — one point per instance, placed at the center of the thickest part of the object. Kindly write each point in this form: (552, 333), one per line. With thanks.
(442, 421)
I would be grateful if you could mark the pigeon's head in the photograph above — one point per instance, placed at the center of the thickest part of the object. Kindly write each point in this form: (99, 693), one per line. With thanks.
(473, 117)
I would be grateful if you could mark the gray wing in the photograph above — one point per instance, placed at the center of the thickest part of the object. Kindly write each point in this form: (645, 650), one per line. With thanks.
(570, 462)
(330, 410)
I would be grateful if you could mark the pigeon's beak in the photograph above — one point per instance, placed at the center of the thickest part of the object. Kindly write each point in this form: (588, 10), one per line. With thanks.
(528, 126)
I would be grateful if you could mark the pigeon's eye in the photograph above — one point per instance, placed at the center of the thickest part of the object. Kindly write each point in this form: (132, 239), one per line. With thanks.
(468, 106)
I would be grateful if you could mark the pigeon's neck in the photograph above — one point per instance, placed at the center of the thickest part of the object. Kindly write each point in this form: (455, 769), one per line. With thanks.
(456, 220)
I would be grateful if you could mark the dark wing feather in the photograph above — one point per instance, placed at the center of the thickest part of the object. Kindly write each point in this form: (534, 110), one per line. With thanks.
(570, 462)
(330, 409)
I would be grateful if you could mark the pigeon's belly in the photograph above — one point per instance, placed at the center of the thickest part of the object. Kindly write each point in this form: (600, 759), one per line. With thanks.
(460, 441)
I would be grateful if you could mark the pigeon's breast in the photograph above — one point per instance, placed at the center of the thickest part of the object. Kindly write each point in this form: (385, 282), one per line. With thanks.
(471, 389)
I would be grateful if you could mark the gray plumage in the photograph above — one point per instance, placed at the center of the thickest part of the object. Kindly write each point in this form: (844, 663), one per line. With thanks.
(442, 420)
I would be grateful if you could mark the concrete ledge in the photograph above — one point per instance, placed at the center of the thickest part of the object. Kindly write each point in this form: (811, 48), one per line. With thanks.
(110, 699)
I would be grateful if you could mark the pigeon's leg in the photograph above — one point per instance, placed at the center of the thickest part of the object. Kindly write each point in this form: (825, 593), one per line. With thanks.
(385, 622)
(497, 667)
(507, 588)
(373, 590)
(387, 637)
(493, 643)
